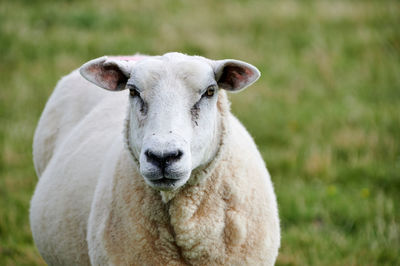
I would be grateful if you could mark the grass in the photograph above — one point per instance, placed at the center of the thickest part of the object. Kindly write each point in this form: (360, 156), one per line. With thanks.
(325, 114)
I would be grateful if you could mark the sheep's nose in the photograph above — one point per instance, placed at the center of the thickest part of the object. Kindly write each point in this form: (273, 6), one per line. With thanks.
(164, 159)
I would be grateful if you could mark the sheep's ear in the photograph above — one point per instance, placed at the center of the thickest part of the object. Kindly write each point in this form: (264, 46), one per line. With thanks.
(235, 75)
(106, 73)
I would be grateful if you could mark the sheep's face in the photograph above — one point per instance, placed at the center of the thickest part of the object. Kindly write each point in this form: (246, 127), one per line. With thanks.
(174, 124)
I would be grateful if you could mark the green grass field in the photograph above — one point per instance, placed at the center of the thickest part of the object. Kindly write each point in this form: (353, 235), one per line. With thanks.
(325, 113)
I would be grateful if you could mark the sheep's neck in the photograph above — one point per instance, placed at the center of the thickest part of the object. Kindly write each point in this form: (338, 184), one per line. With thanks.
(197, 220)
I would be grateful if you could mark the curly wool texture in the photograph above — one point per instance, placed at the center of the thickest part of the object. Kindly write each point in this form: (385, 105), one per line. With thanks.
(92, 205)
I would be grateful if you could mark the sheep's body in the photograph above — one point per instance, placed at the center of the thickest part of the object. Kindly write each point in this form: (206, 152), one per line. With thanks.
(92, 205)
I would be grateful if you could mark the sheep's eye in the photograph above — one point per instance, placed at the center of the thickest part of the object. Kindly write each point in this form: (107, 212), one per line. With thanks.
(133, 91)
(210, 91)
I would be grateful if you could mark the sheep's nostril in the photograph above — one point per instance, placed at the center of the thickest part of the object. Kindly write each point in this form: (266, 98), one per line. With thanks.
(153, 158)
(162, 160)
(174, 156)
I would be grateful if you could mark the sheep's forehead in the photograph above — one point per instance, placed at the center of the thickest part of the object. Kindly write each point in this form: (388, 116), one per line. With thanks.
(191, 73)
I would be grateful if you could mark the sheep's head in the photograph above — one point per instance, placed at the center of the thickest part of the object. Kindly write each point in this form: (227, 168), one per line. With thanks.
(174, 122)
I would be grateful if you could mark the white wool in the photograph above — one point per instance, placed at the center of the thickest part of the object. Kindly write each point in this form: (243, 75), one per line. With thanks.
(92, 205)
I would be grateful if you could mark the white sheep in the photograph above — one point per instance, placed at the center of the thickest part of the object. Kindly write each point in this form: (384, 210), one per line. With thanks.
(159, 174)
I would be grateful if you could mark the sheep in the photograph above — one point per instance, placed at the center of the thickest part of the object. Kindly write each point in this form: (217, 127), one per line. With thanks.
(153, 169)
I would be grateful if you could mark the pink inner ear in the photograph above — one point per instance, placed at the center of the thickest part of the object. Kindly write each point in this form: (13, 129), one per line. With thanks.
(235, 76)
(128, 58)
(108, 77)
(111, 78)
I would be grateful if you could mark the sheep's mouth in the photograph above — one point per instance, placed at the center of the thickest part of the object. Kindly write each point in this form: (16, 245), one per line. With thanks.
(165, 183)
(165, 180)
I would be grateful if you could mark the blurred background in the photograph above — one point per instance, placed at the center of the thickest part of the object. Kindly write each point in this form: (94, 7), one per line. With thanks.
(325, 113)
